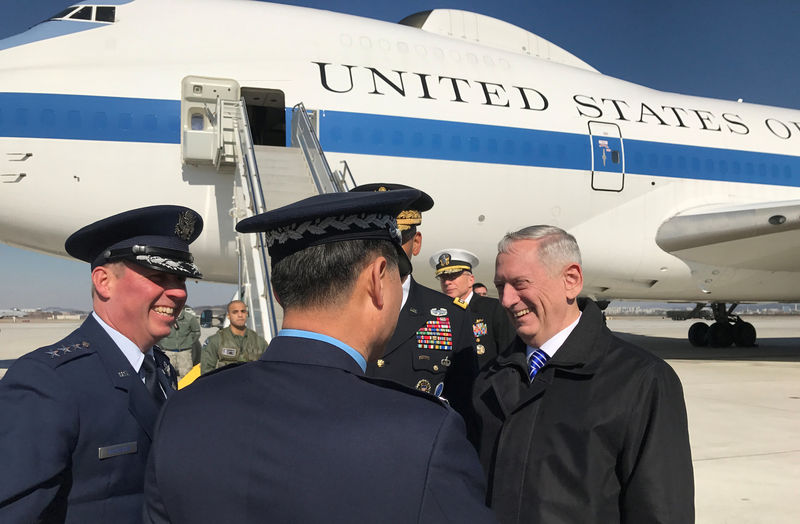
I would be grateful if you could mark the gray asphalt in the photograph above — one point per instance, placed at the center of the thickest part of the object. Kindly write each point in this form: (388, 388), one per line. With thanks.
(743, 406)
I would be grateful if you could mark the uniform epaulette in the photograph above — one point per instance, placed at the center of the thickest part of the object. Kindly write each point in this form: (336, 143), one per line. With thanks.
(391, 384)
(62, 352)
(460, 302)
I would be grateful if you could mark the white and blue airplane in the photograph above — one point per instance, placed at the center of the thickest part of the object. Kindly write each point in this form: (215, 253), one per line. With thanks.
(671, 197)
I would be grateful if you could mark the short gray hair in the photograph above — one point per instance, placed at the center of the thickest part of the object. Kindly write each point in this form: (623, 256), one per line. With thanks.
(557, 248)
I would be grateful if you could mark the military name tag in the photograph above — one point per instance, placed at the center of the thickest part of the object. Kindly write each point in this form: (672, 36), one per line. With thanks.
(127, 448)
(229, 352)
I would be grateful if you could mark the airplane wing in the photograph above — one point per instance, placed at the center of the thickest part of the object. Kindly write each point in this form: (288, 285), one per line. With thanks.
(764, 236)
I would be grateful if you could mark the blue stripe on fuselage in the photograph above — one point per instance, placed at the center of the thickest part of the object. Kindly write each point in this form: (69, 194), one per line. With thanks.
(76, 117)
(151, 120)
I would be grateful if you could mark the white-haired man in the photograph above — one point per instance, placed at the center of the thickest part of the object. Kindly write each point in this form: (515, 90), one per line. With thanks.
(576, 425)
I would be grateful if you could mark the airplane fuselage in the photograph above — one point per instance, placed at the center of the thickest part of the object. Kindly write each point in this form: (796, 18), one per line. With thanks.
(501, 140)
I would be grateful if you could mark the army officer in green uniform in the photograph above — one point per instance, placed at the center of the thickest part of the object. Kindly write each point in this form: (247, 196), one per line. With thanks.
(235, 343)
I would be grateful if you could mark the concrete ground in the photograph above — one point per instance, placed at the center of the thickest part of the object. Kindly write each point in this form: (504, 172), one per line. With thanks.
(743, 406)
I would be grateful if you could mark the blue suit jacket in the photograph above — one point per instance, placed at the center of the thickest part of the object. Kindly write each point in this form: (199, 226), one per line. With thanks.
(302, 436)
(77, 427)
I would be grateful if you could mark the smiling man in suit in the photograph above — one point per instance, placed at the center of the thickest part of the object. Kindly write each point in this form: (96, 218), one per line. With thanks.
(79, 415)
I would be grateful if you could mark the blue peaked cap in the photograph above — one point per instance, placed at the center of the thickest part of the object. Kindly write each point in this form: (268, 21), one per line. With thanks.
(157, 237)
(333, 217)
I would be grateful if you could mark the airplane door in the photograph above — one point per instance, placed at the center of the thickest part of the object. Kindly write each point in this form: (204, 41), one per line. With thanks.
(608, 158)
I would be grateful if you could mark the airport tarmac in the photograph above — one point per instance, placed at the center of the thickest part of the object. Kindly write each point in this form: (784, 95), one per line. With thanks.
(743, 406)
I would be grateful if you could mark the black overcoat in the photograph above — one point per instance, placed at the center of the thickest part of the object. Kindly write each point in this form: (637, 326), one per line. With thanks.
(77, 423)
(600, 435)
(301, 436)
(448, 371)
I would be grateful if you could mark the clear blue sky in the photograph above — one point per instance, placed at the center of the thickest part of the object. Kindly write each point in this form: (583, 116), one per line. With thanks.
(726, 49)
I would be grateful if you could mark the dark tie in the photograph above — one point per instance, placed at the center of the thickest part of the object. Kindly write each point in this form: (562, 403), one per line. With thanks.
(536, 361)
(148, 373)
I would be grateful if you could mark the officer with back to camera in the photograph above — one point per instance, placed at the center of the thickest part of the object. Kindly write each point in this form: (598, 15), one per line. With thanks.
(431, 348)
(302, 435)
(78, 416)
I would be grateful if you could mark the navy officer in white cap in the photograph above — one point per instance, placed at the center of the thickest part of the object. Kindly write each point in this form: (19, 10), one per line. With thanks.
(78, 416)
(302, 434)
(491, 326)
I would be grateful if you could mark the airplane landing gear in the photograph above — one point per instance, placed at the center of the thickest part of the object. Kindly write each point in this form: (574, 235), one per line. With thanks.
(727, 329)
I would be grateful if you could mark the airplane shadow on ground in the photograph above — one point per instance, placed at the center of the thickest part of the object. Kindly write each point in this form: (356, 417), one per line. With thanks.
(767, 349)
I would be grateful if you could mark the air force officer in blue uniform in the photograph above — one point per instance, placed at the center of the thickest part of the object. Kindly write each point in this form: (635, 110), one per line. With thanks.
(302, 435)
(78, 416)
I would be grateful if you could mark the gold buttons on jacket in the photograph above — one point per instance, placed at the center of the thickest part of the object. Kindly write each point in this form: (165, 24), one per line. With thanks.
(381, 363)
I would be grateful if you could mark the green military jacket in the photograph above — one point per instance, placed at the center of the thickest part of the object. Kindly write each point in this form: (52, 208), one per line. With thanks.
(223, 348)
(184, 333)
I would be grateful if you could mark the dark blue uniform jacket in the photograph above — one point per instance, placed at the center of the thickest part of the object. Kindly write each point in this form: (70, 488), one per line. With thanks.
(76, 428)
(302, 436)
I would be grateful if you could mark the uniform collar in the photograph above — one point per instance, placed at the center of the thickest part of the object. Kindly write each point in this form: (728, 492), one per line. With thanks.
(406, 290)
(299, 333)
(131, 351)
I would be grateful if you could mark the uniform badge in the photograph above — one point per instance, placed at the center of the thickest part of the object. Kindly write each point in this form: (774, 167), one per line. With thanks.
(185, 225)
(123, 374)
(460, 303)
(435, 334)
(228, 352)
(480, 349)
(479, 328)
(444, 259)
(439, 389)
(438, 312)
(381, 363)
(412, 310)
(53, 353)
(424, 385)
(446, 362)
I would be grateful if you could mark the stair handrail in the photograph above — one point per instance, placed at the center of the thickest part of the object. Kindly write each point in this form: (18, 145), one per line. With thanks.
(249, 171)
(305, 137)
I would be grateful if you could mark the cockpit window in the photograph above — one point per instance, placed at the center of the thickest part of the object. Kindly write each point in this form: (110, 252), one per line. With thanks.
(105, 14)
(63, 13)
(102, 13)
(84, 13)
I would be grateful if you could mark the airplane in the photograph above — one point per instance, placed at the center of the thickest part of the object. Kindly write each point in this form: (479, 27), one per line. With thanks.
(12, 313)
(671, 197)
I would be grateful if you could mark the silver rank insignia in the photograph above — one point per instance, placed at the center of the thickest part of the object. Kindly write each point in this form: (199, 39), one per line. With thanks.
(185, 225)
(438, 312)
(424, 385)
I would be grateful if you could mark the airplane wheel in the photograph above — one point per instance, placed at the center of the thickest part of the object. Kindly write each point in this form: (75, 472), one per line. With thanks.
(744, 334)
(698, 333)
(720, 335)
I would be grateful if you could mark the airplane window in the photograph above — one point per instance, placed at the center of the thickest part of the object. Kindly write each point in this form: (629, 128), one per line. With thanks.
(84, 13)
(197, 122)
(105, 14)
(63, 14)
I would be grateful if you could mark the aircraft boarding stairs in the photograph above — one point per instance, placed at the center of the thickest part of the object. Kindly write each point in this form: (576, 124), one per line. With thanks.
(265, 178)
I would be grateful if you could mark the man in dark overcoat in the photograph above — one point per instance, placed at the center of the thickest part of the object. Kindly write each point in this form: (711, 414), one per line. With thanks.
(431, 347)
(491, 328)
(79, 415)
(302, 435)
(576, 425)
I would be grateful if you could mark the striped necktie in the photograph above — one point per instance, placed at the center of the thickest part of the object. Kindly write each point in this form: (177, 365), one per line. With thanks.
(148, 373)
(536, 361)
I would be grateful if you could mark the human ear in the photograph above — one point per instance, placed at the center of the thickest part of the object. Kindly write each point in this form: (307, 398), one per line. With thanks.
(572, 276)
